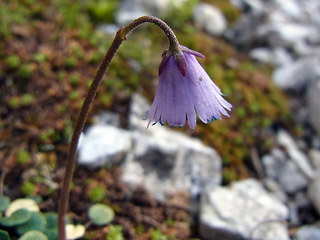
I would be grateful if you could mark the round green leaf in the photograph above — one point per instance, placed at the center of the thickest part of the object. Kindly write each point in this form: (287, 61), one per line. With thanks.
(51, 219)
(4, 202)
(18, 217)
(36, 222)
(22, 203)
(101, 214)
(52, 233)
(4, 235)
(33, 235)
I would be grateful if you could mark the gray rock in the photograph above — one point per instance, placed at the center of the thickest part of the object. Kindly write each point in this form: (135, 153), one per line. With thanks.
(132, 9)
(315, 158)
(275, 57)
(243, 211)
(109, 29)
(167, 159)
(313, 104)
(103, 144)
(289, 24)
(296, 76)
(107, 118)
(291, 179)
(272, 163)
(275, 189)
(210, 19)
(137, 115)
(243, 33)
(293, 213)
(172, 162)
(284, 172)
(308, 233)
(314, 191)
(251, 6)
(299, 158)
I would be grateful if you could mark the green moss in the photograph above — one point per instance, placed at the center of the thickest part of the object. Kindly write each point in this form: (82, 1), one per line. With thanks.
(241, 112)
(103, 11)
(156, 234)
(115, 233)
(139, 229)
(68, 129)
(228, 176)
(63, 108)
(105, 98)
(97, 194)
(73, 95)
(28, 188)
(78, 51)
(14, 102)
(182, 20)
(13, 61)
(70, 62)
(48, 134)
(26, 99)
(25, 71)
(40, 57)
(74, 79)
(23, 157)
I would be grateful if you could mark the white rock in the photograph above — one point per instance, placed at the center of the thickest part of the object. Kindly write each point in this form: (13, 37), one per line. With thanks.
(243, 211)
(313, 105)
(103, 144)
(291, 8)
(210, 19)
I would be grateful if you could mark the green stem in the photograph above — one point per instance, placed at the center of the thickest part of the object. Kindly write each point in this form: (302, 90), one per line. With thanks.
(71, 159)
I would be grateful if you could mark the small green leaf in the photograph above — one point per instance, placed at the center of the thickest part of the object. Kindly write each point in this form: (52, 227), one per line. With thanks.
(36, 222)
(4, 202)
(52, 234)
(101, 214)
(115, 233)
(33, 235)
(51, 219)
(18, 217)
(4, 235)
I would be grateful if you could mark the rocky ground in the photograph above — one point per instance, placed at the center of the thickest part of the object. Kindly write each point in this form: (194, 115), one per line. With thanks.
(164, 179)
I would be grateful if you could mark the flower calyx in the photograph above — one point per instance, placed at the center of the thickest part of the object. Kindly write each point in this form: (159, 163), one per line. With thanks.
(179, 58)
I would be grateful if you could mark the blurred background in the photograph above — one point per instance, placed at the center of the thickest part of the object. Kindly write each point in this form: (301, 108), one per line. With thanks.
(254, 175)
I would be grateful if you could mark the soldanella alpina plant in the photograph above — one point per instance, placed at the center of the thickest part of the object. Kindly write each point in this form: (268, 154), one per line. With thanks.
(184, 90)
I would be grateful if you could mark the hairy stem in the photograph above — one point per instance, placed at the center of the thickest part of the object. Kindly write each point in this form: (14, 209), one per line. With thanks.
(82, 117)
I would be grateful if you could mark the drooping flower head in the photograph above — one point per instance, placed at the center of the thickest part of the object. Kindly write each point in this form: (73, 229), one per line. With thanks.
(185, 90)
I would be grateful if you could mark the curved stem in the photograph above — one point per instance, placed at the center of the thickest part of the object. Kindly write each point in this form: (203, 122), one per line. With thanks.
(71, 159)
(174, 43)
